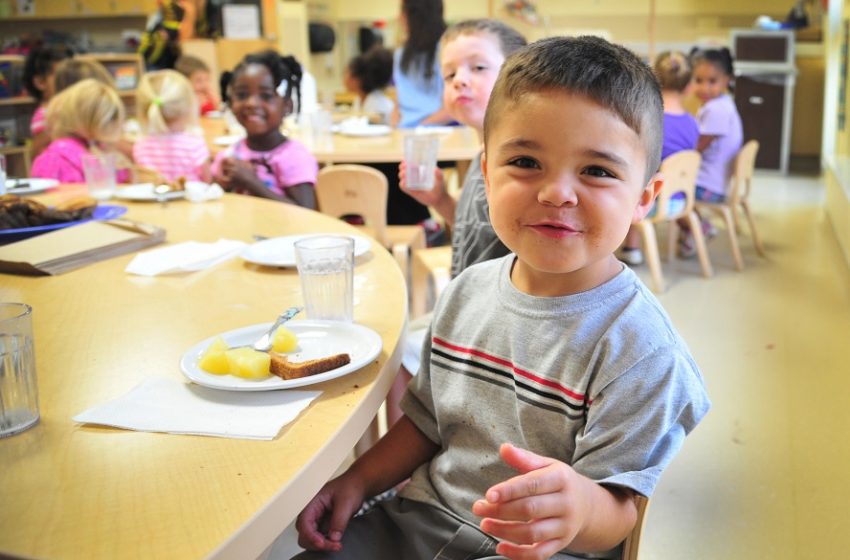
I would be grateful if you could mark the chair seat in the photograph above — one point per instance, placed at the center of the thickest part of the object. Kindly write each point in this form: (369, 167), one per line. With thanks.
(434, 265)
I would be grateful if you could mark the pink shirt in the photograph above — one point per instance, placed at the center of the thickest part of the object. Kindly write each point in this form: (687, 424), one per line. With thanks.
(179, 154)
(285, 166)
(63, 160)
(38, 124)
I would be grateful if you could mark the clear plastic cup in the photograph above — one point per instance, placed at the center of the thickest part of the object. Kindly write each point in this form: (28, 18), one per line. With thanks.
(2, 174)
(18, 391)
(99, 170)
(420, 160)
(326, 269)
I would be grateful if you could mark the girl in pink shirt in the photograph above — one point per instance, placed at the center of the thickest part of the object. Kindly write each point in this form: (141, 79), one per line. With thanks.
(85, 118)
(167, 108)
(266, 163)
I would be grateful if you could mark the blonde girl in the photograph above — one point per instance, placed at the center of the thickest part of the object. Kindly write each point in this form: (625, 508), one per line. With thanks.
(167, 110)
(83, 119)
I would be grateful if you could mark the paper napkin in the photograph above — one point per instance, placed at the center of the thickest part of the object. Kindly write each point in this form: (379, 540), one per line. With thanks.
(184, 257)
(161, 404)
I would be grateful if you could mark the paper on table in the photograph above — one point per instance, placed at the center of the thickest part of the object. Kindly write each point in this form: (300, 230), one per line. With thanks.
(188, 256)
(161, 404)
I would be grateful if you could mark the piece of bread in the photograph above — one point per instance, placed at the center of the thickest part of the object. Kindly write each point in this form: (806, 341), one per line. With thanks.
(282, 367)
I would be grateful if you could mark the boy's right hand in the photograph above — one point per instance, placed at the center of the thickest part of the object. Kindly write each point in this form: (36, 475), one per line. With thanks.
(322, 522)
(431, 197)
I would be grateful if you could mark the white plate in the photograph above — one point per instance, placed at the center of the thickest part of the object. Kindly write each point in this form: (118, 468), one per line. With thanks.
(144, 192)
(280, 251)
(226, 140)
(368, 130)
(316, 339)
(32, 185)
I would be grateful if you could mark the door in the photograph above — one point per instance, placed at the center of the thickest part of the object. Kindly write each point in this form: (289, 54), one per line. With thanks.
(760, 100)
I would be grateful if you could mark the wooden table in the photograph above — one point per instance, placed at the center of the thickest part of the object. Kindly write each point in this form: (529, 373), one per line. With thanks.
(456, 144)
(78, 491)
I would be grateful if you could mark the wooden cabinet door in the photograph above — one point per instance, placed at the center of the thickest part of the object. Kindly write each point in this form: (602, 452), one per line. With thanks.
(760, 100)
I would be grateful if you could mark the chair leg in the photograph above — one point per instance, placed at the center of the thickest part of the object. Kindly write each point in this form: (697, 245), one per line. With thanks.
(400, 253)
(699, 242)
(672, 239)
(726, 212)
(653, 259)
(753, 231)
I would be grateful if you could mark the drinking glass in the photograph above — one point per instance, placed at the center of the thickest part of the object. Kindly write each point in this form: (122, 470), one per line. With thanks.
(18, 392)
(99, 170)
(2, 174)
(420, 160)
(326, 269)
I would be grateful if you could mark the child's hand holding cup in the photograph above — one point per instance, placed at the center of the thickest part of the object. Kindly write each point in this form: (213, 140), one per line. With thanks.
(420, 160)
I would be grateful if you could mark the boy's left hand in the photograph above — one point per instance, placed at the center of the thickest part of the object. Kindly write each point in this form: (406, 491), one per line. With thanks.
(537, 513)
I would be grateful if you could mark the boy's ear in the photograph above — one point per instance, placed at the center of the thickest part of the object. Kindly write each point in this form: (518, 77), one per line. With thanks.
(40, 82)
(484, 172)
(647, 197)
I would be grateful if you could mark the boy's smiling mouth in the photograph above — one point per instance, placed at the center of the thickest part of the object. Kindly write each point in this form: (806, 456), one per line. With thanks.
(553, 228)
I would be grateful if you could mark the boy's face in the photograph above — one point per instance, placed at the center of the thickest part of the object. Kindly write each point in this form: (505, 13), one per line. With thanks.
(565, 180)
(470, 65)
(200, 81)
(255, 103)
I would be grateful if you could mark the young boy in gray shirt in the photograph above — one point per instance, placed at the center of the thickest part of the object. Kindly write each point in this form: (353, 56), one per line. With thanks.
(554, 388)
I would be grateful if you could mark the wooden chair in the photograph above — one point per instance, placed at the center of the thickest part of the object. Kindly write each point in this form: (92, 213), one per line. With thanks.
(679, 172)
(738, 195)
(360, 190)
(431, 271)
(632, 542)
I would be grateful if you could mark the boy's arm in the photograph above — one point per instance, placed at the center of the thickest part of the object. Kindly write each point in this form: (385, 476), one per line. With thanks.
(550, 507)
(390, 461)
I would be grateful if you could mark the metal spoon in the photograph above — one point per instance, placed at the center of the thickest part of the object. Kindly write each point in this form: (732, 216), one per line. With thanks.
(264, 343)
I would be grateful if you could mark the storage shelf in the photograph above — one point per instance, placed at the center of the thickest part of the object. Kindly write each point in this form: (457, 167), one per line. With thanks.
(20, 100)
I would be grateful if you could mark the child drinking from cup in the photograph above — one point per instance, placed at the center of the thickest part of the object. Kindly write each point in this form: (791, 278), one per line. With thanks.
(167, 109)
(266, 163)
(84, 119)
(471, 53)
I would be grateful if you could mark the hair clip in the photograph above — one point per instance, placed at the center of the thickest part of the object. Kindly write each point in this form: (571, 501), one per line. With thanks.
(282, 87)
(157, 101)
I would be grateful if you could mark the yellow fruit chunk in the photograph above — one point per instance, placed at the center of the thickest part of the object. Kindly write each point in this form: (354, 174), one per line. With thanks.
(213, 359)
(248, 363)
(284, 340)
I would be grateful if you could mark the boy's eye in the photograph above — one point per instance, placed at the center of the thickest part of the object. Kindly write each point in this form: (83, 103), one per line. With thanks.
(480, 67)
(595, 171)
(524, 163)
(448, 76)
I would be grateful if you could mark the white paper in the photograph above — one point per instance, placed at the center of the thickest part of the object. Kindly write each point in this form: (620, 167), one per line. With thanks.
(161, 404)
(241, 21)
(188, 256)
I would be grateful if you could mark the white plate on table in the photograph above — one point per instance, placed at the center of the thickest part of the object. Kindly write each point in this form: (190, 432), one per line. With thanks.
(363, 131)
(143, 192)
(280, 251)
(29, 186)
(316, 339)
(226, 140)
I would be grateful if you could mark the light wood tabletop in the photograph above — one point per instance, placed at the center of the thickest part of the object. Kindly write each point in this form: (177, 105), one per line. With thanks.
(457, 143)
(78, 491)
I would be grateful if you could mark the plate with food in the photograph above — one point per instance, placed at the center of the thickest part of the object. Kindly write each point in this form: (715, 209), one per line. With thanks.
(363, 130)
(303, 353)
(21, 218)
(149, 192)
(280, 251)
(26, 185)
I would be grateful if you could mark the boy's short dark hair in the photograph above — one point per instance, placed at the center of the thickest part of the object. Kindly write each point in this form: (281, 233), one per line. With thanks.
(609, 74)
(509, 38)
(374, 68)
(39, 62)
(188, 65)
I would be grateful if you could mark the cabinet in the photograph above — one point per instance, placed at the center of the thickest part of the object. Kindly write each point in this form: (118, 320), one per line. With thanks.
(84, 8)
(764, 92)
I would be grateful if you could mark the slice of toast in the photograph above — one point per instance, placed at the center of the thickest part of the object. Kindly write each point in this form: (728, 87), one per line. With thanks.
(282, 367)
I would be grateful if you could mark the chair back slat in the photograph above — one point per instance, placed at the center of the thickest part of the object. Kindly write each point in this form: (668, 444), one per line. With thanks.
(679, 173)
(355, 190)
(742, 178)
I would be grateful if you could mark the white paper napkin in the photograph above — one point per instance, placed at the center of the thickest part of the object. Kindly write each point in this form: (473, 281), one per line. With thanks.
(184, 257)
(161, 404)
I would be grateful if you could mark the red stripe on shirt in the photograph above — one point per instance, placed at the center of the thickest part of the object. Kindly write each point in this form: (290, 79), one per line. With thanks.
(522, 373)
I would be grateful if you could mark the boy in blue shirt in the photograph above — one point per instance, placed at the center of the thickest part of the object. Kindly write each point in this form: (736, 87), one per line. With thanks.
(554, 388)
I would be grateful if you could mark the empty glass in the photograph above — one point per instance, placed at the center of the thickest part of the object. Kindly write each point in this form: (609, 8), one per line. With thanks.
(420, 160)
(99, 170)
(18, 392)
